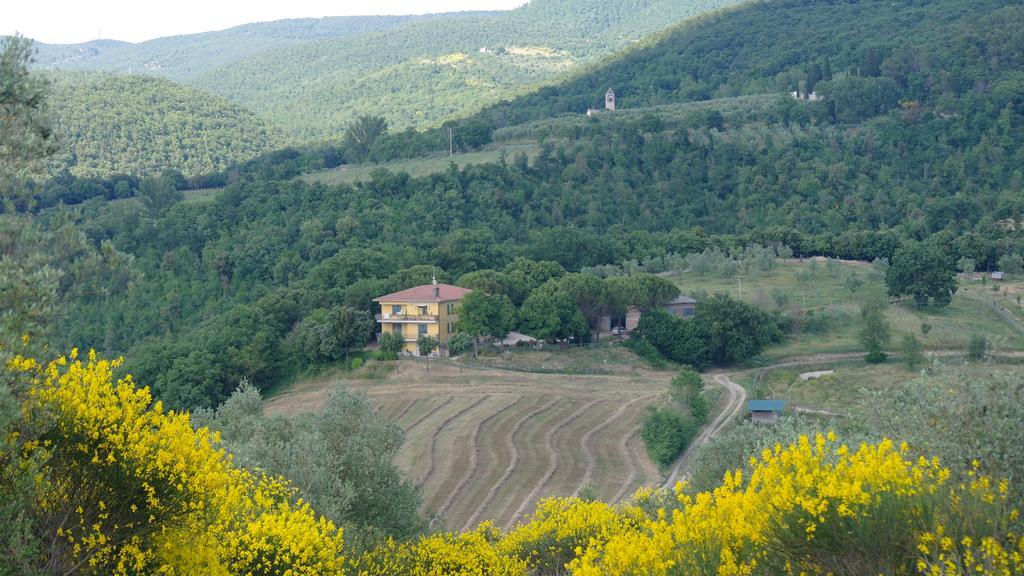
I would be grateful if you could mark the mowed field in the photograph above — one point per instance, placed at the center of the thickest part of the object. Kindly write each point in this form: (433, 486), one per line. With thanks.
(486, 444)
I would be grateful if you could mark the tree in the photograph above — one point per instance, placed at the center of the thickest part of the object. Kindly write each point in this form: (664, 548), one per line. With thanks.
(674, 338)
(911, 350)
(551, 314)
(645, 291)
(732, 330)
(390, 344)
(26, 133)
(922, 270)
(360, 135)
(328, 335)
(525, 275)
(1011, 263)
(482, 314)
(977, 348)
(426, 344)
(590, 294)
(874, 333)
(158, 194)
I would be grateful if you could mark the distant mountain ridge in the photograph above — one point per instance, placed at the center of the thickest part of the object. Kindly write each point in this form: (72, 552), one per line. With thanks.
(312, 77)
(185, 56)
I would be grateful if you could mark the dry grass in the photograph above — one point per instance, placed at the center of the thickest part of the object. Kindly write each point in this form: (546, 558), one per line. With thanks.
(485, 444)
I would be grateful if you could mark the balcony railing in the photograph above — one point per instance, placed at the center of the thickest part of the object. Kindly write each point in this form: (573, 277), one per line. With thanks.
(406, 318)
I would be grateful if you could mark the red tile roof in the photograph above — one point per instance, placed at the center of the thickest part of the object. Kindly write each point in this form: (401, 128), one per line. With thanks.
(425, 293)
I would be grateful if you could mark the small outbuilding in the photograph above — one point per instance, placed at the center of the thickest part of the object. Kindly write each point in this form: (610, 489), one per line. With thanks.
(765, 411)
(997, 275)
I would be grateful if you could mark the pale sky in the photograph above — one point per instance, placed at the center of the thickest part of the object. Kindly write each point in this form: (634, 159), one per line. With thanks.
(71, 21)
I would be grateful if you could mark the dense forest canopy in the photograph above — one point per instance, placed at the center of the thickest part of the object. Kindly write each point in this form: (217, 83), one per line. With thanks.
(143, 125)
(312, 77)
(911, 142)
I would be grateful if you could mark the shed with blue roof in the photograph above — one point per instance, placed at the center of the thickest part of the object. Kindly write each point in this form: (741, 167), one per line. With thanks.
(765, 411)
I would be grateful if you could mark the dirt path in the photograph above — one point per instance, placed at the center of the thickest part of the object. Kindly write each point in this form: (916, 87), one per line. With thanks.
(736, 397)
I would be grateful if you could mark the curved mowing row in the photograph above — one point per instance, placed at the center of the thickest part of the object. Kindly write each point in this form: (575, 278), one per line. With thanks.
(490, 454)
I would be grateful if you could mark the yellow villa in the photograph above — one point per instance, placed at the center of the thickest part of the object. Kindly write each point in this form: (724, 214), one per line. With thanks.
(430, 309)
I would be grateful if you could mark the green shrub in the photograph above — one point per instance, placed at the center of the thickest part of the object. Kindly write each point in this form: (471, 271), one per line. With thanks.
(459, 343)
(978, 347)
(644, 349)
(357, 363)
(390, 343)
(666, 434)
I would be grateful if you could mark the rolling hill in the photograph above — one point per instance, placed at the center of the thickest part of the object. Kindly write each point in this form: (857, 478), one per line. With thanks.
(311, 77)
(181, 58)
(140, 125)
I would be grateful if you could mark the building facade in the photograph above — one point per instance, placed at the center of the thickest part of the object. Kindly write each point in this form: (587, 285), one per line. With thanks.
(427, 310)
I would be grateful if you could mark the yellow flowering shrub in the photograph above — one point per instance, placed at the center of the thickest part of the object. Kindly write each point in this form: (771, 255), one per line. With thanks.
(812, 508)
(124, 487)
(561, 527)
(469, 554)
(127, 488)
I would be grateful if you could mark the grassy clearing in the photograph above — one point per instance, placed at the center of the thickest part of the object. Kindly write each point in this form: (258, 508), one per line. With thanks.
(203, 195)
(605, 358)
(796, 285)
(838, 391)
(484, 444)
(418, 167)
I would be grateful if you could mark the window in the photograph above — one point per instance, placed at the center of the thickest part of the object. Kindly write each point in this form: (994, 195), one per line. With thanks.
(396, 329)
(423, 329)
(451, 327)
(423, 311)
(687, 312)
(396, 308)
(451, 308)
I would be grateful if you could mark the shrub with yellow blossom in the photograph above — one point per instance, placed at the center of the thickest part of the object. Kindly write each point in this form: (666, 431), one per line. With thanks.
(127, 488)
(124, 487)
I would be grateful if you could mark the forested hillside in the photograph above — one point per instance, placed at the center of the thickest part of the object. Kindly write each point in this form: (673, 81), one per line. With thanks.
(181, 58)
(929, 49)
(916, 142)
(142, 125)
(312, 77)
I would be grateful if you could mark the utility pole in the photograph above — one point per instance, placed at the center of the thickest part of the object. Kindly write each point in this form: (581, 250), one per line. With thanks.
(451, 150)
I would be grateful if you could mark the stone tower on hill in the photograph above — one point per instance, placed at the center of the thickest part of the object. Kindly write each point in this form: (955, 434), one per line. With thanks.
(609, 100)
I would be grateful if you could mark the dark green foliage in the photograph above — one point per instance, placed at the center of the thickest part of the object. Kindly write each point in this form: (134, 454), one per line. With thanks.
(426, 345)
(26, 133)
(724, 332)
(525, 275)
(911, 351)
(390, 344)
(459, 343)
(874, 333)
(924, 271)
(482, 314)
(643, 348)
(590, 294)
(666, 433)
(676, 339)
(550, 313)
(734, 331)
(977, 348)
(361, 134)
(645, 291)
(328, 335)
(339, 459)
(142, 125)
